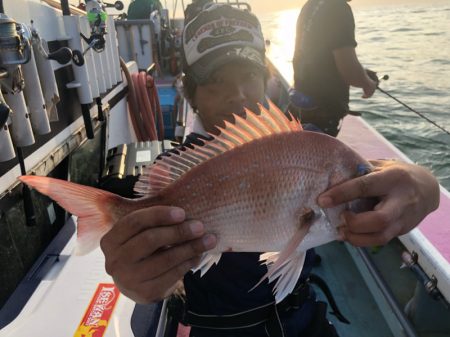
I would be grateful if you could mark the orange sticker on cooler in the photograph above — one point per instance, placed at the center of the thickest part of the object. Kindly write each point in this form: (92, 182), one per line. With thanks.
(99, 312)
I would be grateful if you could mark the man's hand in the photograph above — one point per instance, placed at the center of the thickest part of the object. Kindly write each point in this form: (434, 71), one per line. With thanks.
(406, 193)
(148, 251)
(373, 76)
(371, 84)
(352, 72)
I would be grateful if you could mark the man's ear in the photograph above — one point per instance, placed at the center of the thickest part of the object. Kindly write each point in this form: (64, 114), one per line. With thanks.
(189, 90)
(192, 102)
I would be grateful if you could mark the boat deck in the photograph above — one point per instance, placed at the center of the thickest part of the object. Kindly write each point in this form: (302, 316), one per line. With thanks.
(354, 298)
(351, 288)
(431, 239)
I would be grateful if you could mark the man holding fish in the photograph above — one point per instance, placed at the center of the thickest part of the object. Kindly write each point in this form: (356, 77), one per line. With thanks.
(261, 185)
(149, 251)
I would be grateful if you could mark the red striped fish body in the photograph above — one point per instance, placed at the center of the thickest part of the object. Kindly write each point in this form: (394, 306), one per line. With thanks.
(253, 197)
(255, 186)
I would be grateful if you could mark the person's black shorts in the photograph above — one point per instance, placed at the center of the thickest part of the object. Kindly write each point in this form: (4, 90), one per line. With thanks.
(328, 120)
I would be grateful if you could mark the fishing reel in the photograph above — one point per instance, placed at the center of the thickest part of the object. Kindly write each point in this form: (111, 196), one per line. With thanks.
(118, 5)
(62, 55)
(15, 49)
(97, 21)
(15, 46)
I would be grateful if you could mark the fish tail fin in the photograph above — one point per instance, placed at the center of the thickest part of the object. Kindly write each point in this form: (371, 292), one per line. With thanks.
(92, 206)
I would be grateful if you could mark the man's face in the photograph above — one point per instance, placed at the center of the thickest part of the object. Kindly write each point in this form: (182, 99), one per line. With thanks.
(231, 88)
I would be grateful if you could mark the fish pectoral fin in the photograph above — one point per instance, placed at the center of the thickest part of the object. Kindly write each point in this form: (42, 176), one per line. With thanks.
(207, 261)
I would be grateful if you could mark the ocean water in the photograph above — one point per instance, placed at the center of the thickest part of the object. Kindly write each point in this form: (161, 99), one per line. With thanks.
(411, 44)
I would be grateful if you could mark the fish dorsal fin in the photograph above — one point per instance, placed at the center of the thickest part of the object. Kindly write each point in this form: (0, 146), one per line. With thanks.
(169, 168)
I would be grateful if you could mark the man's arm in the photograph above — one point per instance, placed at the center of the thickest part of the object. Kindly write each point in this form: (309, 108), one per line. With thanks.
(352, 72)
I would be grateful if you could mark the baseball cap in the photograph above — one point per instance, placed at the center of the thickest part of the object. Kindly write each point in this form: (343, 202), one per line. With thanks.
(220, 34)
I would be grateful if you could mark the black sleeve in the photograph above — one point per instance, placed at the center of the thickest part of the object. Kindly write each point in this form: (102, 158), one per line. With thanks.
(341, 25)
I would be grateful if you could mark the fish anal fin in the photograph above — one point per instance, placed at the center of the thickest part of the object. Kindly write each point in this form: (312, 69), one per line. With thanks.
(288, 275)
(286, 266)
(207, 261)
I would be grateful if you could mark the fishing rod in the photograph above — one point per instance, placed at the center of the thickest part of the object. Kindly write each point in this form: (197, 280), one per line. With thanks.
(385, 78)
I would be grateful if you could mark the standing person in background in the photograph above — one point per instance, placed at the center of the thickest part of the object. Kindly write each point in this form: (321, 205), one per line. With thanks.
(141, 9)
(326, 65)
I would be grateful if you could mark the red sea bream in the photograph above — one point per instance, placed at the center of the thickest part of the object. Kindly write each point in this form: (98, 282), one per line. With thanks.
(255, 186)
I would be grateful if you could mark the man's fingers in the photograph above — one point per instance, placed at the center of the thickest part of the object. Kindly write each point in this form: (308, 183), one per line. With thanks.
(374, 184)
(376, 227)
(381, 162)
(364, 186)
(167, 261)
(147, 242)
(365, 240)
(177, 261)
(367, 222)
(173, 257)
(157, 289)
(138, 221)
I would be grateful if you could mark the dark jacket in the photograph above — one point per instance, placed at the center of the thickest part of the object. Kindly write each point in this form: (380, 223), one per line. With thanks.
(322, 27)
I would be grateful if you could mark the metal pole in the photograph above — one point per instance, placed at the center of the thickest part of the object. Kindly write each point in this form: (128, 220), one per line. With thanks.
(65, 7)
(28, 206)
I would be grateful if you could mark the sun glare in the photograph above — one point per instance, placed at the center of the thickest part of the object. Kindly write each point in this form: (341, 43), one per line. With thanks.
(278, 28)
